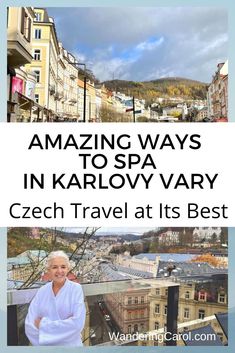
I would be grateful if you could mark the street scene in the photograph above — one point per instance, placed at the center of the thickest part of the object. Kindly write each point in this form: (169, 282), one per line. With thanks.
(138, 283)
(81, 65)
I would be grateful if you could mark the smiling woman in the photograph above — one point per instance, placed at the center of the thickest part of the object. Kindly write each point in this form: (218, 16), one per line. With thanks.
(57, 313)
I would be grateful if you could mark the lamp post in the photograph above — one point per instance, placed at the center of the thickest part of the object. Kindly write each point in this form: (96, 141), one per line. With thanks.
(133, 100)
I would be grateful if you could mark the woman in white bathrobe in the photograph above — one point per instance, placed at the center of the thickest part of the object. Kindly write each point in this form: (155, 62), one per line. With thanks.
(56, 315)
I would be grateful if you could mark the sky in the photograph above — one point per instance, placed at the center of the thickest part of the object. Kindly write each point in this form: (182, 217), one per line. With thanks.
(145, 43)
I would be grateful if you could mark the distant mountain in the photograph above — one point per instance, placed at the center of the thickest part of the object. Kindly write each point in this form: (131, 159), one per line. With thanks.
(163, 87)
(131, 237)
(123, 236)
(117, 233)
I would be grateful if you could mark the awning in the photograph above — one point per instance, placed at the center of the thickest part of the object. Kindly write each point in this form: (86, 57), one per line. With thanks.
(35, 109)
(26, 103)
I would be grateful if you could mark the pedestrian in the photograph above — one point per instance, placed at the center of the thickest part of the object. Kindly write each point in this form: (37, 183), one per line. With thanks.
(56, 315)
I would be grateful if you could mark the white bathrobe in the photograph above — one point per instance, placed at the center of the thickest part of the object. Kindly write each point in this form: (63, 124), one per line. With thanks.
(63, 316)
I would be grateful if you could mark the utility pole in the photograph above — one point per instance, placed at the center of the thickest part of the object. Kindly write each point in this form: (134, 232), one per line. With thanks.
(133, 109)
(84, 99)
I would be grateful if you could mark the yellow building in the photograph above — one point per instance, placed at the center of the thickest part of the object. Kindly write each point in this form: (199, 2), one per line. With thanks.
(195, 304)
(19, 35)
(19, 48)
(55, 70)
(130, 310)
(80, 83)
(45, 52)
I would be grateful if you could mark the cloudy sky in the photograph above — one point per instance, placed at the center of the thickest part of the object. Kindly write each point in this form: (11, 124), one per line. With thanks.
(145, 43)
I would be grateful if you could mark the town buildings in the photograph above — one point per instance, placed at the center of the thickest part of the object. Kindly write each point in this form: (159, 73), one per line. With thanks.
(55, 71)
(19, 53)
(218, 94)
(199, 297)
(133, 290)
(202, 294)
(46, 83)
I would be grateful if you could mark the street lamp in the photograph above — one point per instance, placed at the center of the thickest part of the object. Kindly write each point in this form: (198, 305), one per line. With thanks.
(133, 100)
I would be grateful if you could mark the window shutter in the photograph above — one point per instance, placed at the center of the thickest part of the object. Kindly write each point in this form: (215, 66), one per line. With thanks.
(22, 19)
(29, 30)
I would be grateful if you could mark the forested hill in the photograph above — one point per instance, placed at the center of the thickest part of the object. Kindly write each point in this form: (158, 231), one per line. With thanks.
(164, 87)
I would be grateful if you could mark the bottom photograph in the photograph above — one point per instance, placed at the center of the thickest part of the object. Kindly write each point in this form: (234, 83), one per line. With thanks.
(117, 286)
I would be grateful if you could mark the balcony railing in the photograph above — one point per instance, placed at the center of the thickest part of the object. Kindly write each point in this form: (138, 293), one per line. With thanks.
(18, 301)
(138, 305)
(52, 89)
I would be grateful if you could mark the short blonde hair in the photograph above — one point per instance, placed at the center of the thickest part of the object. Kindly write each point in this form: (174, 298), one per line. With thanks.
(55, 254)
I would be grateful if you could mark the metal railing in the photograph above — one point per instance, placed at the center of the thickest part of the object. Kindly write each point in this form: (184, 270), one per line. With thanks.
(19, 299)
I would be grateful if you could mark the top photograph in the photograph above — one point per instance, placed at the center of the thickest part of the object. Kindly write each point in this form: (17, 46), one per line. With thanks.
(116, 64)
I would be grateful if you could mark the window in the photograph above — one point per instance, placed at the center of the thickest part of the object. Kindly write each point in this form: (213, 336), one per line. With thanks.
(36, 98)
(157, 308)
(141, 327)
(222, 298)
(155, 342)
(136, 300)
(136, 328)
(202, 296)
(187, 295)
(166, 291)
(37, 74)
(142, 300)
(201, 314)
(157, 291)
(38, 16)
(220, 335)
(156, 325)
(186, 313)
(129, 328)
(165, 310)
(37, 33)
(129, 301)
(25, 25)
(37, 54)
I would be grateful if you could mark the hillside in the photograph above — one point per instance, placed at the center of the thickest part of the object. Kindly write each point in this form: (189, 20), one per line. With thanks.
(164, 87)
(19, 240)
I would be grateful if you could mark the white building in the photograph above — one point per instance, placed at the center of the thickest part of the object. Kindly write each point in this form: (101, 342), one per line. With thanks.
(169, 238)
(203, 233)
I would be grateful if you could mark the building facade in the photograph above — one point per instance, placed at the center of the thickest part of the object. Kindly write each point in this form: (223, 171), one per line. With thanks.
(196, 302)
(218, 94)
(19, 51)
